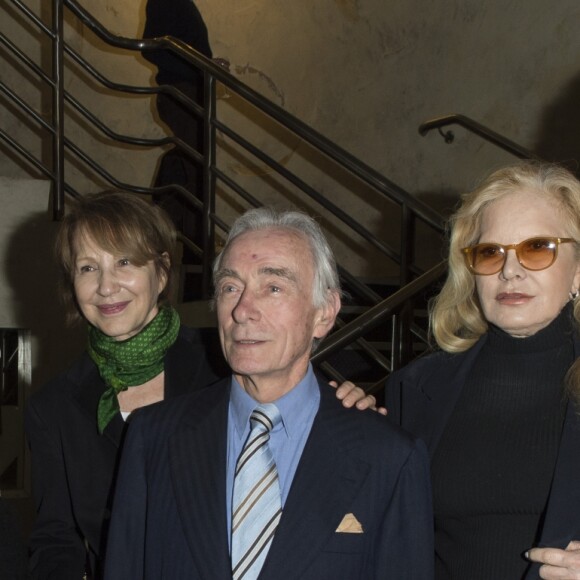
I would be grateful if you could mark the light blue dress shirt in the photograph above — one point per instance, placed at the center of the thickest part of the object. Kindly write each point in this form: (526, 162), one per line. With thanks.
(298, 409)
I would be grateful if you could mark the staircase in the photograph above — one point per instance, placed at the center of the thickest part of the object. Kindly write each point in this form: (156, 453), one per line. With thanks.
(58, 143)
(243, 167)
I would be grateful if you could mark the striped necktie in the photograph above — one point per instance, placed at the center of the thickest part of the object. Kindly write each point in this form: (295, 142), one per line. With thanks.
(257, 508)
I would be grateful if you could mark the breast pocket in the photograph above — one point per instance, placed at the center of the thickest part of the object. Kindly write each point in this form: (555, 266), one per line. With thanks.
(345, 543)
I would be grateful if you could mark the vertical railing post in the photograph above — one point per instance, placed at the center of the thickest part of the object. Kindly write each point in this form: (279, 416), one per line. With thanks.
(395, 343)
(209, 162)
(58, 110)
(405, 317)
(407, 244)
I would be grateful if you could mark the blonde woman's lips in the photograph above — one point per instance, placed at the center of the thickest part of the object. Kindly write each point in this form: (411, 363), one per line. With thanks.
(513, 298)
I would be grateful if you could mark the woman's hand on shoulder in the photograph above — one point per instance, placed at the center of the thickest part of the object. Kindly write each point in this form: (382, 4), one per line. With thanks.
(353, 396)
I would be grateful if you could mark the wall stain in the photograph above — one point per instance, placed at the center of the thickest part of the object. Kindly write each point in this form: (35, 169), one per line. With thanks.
(258, 169)
(349, 9)
(250, 70)
(113, 10)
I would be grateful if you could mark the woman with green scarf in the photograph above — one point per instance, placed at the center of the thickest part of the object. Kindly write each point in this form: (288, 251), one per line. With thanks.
(116, 251)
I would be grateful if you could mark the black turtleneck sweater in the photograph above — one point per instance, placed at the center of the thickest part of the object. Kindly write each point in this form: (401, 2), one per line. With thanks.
(493, 467)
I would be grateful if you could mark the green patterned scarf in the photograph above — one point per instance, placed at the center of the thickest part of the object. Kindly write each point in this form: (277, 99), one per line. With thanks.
(128, 363)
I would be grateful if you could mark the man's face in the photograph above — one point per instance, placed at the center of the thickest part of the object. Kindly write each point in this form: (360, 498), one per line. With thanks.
(266, 317)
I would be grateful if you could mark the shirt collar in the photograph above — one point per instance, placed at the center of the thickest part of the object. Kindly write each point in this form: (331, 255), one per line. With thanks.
(294, 406)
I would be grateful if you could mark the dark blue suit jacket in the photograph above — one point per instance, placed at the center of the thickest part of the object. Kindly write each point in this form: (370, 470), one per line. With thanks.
(421, 398)
(74, 467)
(169, 514)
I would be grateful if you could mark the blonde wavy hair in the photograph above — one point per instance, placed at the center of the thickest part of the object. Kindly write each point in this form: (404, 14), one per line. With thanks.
(456, 319)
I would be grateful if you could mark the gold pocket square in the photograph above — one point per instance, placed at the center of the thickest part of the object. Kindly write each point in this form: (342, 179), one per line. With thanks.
(349, 525)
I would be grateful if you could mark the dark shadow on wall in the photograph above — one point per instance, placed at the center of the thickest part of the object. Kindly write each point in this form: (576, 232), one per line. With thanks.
(32, 276)
(32, 302)
(558, 136)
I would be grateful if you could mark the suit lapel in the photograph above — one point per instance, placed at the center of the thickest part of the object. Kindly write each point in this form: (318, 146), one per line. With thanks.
(197, 456)
(327, 479)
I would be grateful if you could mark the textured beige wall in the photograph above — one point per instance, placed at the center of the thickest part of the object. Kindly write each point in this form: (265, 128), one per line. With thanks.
(131, 116)
(365, 73)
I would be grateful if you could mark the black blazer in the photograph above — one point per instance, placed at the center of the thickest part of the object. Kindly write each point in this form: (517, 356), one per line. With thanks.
(73, 467)
(13, 560)
(169, 513)
(421, 398)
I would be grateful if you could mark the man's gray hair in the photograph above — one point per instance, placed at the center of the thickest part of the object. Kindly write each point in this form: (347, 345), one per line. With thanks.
(262, 218)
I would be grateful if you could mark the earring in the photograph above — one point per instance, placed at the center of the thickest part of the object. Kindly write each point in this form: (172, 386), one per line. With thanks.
(574, 294)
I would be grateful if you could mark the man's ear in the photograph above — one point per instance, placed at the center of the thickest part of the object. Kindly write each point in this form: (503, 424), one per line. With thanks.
(326, 315)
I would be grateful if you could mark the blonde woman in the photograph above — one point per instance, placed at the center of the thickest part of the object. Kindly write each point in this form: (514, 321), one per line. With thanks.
(497, 404)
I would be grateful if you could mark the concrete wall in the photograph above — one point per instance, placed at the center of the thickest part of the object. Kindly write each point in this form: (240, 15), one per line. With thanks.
(134, 115)
(365, 73)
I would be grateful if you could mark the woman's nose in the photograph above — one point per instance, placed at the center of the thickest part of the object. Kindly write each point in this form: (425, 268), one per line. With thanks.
(512, 267)
(108, 283)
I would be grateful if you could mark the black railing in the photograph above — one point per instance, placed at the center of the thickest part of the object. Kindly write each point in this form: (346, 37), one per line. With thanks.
(476, 128)
(374, 316)
(216, 177)
(215, 72)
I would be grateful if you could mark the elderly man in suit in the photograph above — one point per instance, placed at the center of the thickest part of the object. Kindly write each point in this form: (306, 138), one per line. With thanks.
(266, 474)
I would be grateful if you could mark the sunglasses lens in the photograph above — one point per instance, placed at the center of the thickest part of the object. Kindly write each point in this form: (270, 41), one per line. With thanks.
(533, 254)
(486, 258)
(537, 253)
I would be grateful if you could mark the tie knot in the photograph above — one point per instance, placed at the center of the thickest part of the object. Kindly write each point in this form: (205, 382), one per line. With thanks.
(265, 416)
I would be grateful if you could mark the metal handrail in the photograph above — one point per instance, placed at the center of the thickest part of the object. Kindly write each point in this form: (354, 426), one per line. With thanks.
(364, 173)
(354, 165)
(38, 165)
(58, 109)
(24, 107)
(32, 17)
(477, 129)
(412, 208)
(372, 317)
(343, 216)
(24, 59)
